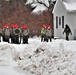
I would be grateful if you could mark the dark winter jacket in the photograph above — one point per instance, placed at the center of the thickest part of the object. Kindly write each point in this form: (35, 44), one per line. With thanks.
(67, 30)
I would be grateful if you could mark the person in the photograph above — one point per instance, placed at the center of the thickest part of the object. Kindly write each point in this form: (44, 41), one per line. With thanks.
(3, 29)
(16, 34)
(67, 31)
(1, 33)
(6, 33)
(12, 35)
(25, 34)
(43, 32)
(21, 35)
(49, 33)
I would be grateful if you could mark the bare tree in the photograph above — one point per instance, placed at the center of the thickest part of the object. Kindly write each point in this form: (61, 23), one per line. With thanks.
(48, 4)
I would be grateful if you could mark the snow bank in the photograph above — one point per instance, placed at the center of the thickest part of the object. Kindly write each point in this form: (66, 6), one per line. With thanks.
(8, 70)
(38, 58)
(44, 60)
(8, 54)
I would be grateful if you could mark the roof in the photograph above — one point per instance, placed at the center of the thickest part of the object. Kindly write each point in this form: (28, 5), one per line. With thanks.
(70, 5)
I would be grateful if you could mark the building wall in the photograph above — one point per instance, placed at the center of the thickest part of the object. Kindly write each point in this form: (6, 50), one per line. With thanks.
(69, 18)
(17, 12)
(59, 11)
(72, 23)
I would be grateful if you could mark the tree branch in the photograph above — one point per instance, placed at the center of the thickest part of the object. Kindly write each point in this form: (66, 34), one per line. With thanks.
(42, 3)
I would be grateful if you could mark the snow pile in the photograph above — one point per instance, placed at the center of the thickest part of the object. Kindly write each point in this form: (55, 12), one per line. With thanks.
(46, 61)
(39, 8)
(70, 5)
(8, 54)
(69, 1)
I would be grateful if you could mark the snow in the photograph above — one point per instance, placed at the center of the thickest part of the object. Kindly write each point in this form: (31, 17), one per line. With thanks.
(39, 7)
(70, 5)
(7, 70)
(69, 0)
(38, 58)
(6, 0)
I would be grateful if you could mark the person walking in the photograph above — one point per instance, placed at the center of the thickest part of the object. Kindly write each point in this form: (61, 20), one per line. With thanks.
(67, 31)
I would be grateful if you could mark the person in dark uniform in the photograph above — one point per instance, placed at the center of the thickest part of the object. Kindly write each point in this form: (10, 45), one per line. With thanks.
(12, 35)
(67, 31)
(16, 33)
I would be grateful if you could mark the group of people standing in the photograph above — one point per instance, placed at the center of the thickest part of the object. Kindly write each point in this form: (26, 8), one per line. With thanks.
(15, 33)
(21, 34)
(46, 33)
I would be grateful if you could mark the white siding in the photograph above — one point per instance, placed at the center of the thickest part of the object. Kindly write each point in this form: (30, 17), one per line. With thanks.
(69, 18)
(72, 23)
(59, 11)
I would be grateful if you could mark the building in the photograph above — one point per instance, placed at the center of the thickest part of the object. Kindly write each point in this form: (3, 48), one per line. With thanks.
(64, 13)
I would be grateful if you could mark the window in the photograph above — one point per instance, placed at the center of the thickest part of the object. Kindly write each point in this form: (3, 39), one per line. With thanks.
(56, 21)
(62, 21)
(59, 20)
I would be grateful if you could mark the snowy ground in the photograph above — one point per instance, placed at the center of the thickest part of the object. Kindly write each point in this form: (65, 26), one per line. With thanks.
(38, 58)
